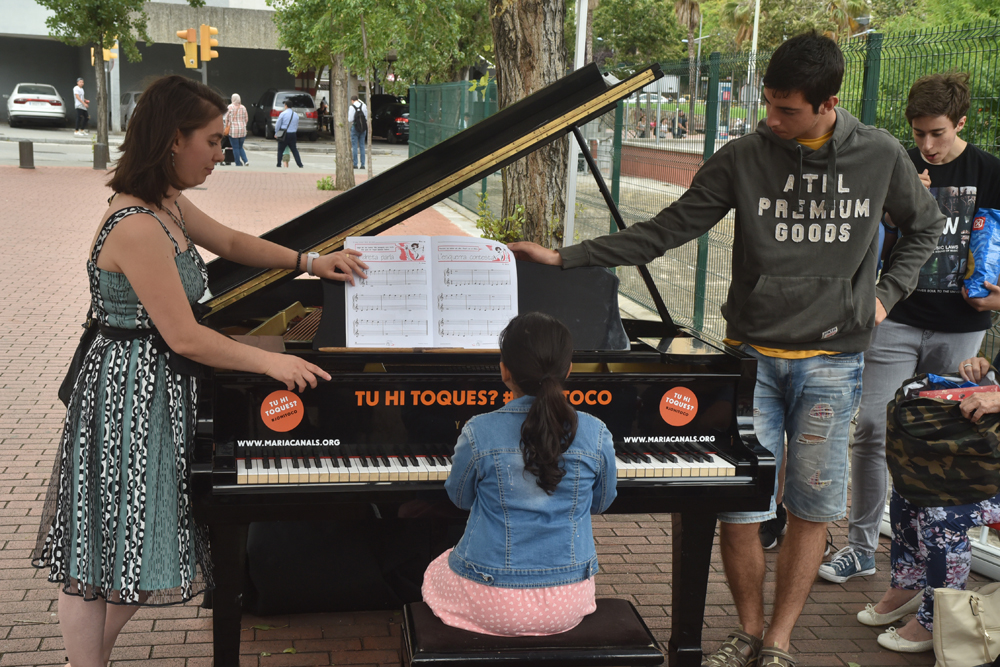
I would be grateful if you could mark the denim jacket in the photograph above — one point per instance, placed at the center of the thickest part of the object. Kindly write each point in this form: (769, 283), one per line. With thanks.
(518, 536)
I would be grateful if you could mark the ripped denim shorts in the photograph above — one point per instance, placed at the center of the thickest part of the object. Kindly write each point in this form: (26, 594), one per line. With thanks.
(811, 401)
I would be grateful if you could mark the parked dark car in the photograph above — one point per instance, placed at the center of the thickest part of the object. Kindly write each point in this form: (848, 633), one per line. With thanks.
(392, 122)
(265, 112)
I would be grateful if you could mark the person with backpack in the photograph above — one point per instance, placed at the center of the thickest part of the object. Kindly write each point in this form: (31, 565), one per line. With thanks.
(357, 118)
(531, 475)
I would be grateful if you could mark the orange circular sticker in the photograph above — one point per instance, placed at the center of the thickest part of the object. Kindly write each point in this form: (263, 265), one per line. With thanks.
(281, 411)
(678, 406)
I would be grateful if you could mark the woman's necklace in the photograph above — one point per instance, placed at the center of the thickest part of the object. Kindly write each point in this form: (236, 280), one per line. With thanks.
(177, 221)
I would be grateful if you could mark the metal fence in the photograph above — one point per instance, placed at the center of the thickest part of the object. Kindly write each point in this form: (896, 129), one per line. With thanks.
(649, 159)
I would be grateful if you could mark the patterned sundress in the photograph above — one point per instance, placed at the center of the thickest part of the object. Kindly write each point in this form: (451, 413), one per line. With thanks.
(117, 521)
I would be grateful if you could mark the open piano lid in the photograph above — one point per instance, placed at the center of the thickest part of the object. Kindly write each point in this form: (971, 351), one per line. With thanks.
(425, 179)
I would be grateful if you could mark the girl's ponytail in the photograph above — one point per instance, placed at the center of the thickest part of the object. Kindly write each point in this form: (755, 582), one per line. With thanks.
(537, 349)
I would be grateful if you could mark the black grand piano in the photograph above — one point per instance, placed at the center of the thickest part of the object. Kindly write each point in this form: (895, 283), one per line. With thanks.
(377, 438)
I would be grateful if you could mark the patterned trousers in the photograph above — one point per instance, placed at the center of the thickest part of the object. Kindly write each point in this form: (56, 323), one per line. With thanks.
(931, 547)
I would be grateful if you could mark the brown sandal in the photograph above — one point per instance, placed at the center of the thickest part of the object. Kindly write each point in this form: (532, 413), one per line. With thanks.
(739, 650)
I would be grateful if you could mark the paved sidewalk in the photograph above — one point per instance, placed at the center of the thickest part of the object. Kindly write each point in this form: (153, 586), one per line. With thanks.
(48, 217)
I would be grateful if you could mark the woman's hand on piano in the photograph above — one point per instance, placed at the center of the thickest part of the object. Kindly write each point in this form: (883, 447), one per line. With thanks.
(532, 252)
(340, 265)
(294, 371)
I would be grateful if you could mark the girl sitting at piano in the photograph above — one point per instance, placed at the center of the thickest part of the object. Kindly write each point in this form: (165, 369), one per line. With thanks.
(117, 529)
(531, 474)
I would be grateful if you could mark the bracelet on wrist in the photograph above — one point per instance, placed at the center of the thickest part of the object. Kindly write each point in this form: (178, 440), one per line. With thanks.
(298, 261)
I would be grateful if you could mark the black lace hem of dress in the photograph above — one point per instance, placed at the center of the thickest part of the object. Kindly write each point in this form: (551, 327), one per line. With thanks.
(159, 598)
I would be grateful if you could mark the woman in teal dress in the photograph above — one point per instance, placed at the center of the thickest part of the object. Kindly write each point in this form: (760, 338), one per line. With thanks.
(117, 530)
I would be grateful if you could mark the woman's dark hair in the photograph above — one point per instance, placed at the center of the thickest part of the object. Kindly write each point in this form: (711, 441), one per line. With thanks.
(145, 168)
(809, 63)
(537, 349)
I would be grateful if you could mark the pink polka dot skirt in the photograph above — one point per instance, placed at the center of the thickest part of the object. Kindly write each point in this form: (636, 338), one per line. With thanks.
(505, 612)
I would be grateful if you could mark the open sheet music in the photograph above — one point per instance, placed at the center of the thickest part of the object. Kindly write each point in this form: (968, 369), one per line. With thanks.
(424, 291)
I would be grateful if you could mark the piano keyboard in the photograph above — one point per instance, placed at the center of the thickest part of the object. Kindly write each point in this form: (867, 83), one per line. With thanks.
(341, 466)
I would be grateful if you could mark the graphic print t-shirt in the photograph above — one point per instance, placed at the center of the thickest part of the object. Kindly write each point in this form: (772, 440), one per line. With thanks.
(969, 182)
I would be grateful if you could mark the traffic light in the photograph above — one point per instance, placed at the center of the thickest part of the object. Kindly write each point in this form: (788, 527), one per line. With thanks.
(108, 55)
(190, 47)
(207, 43)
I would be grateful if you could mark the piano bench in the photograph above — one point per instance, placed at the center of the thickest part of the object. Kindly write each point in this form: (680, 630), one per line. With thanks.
(615, 634)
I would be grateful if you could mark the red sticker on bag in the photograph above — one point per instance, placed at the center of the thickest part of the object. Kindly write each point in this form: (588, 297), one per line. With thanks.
(282, 411)
(678, 406)
(979, 223)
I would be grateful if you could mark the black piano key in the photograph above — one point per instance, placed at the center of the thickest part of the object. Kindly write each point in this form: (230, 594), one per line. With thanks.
(402, 461)
(316, 459)
(266, 460)
(375, 462)
(295, 461)
(246, 463)
(621, 457)
(413, 460)
(660, 457)
(430, 461)
(346, 459)
(385, 461)
(440, 460)
(334, 459)
(305, 461)
(363, 461)
(277, 460)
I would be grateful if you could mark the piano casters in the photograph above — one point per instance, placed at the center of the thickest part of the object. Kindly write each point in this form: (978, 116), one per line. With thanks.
(229, 550)
(692, 535)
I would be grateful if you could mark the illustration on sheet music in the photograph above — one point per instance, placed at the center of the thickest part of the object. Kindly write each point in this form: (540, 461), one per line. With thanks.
(423, 291)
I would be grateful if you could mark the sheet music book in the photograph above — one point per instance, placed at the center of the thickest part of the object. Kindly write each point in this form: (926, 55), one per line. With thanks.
(430, 291)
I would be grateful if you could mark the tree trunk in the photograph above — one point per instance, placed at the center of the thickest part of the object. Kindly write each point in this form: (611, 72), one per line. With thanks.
(368, 97)
(339, 96)
(102, 95)
(694, 74)
(589, 52)
(531, 54)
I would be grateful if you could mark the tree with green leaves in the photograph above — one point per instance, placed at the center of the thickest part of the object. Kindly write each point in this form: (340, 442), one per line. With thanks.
(98, 23)
(908, 15)
(433, 42)
(637, 32)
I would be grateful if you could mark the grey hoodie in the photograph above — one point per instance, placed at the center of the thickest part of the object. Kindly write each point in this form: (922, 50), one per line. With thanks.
(805, 239)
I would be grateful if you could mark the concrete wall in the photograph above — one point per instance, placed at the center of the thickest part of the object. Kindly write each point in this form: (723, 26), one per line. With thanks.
(23, 18)
(240, 28)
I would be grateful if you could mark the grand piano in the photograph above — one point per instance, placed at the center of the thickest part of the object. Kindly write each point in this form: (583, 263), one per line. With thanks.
(375, 441)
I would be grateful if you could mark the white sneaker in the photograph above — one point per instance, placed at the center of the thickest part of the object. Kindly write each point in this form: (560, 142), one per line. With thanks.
(78, 133)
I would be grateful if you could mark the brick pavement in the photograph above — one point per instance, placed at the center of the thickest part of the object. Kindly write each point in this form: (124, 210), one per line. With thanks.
(47, 219)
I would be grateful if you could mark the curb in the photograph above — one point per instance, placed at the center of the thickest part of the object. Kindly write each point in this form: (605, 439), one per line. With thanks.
(116, 141)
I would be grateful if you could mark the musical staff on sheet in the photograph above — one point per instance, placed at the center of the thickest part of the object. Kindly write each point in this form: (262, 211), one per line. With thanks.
(363, 328)
(474, 302)
(366, 302)
(394, 277)
(466, 328)
(457, 277)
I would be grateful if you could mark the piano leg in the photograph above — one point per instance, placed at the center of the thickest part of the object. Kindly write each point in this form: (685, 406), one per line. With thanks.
(229, 551)
(693, 533)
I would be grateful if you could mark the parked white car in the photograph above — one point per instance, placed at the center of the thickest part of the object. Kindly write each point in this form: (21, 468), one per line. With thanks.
(35, 102)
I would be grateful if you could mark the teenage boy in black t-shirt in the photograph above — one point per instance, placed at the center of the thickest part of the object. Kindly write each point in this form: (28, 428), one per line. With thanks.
(932, 330)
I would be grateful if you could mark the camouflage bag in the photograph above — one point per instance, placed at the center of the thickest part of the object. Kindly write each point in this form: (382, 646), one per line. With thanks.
(937, 457)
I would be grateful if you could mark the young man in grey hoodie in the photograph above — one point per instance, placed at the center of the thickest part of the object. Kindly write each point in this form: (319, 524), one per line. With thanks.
(808, 189)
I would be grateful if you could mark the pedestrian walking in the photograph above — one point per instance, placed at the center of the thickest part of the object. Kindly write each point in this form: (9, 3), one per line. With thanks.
(236, 129)
(117, 529)
(285, 131)
(808, 188)
(81, 104)
(357, 120)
